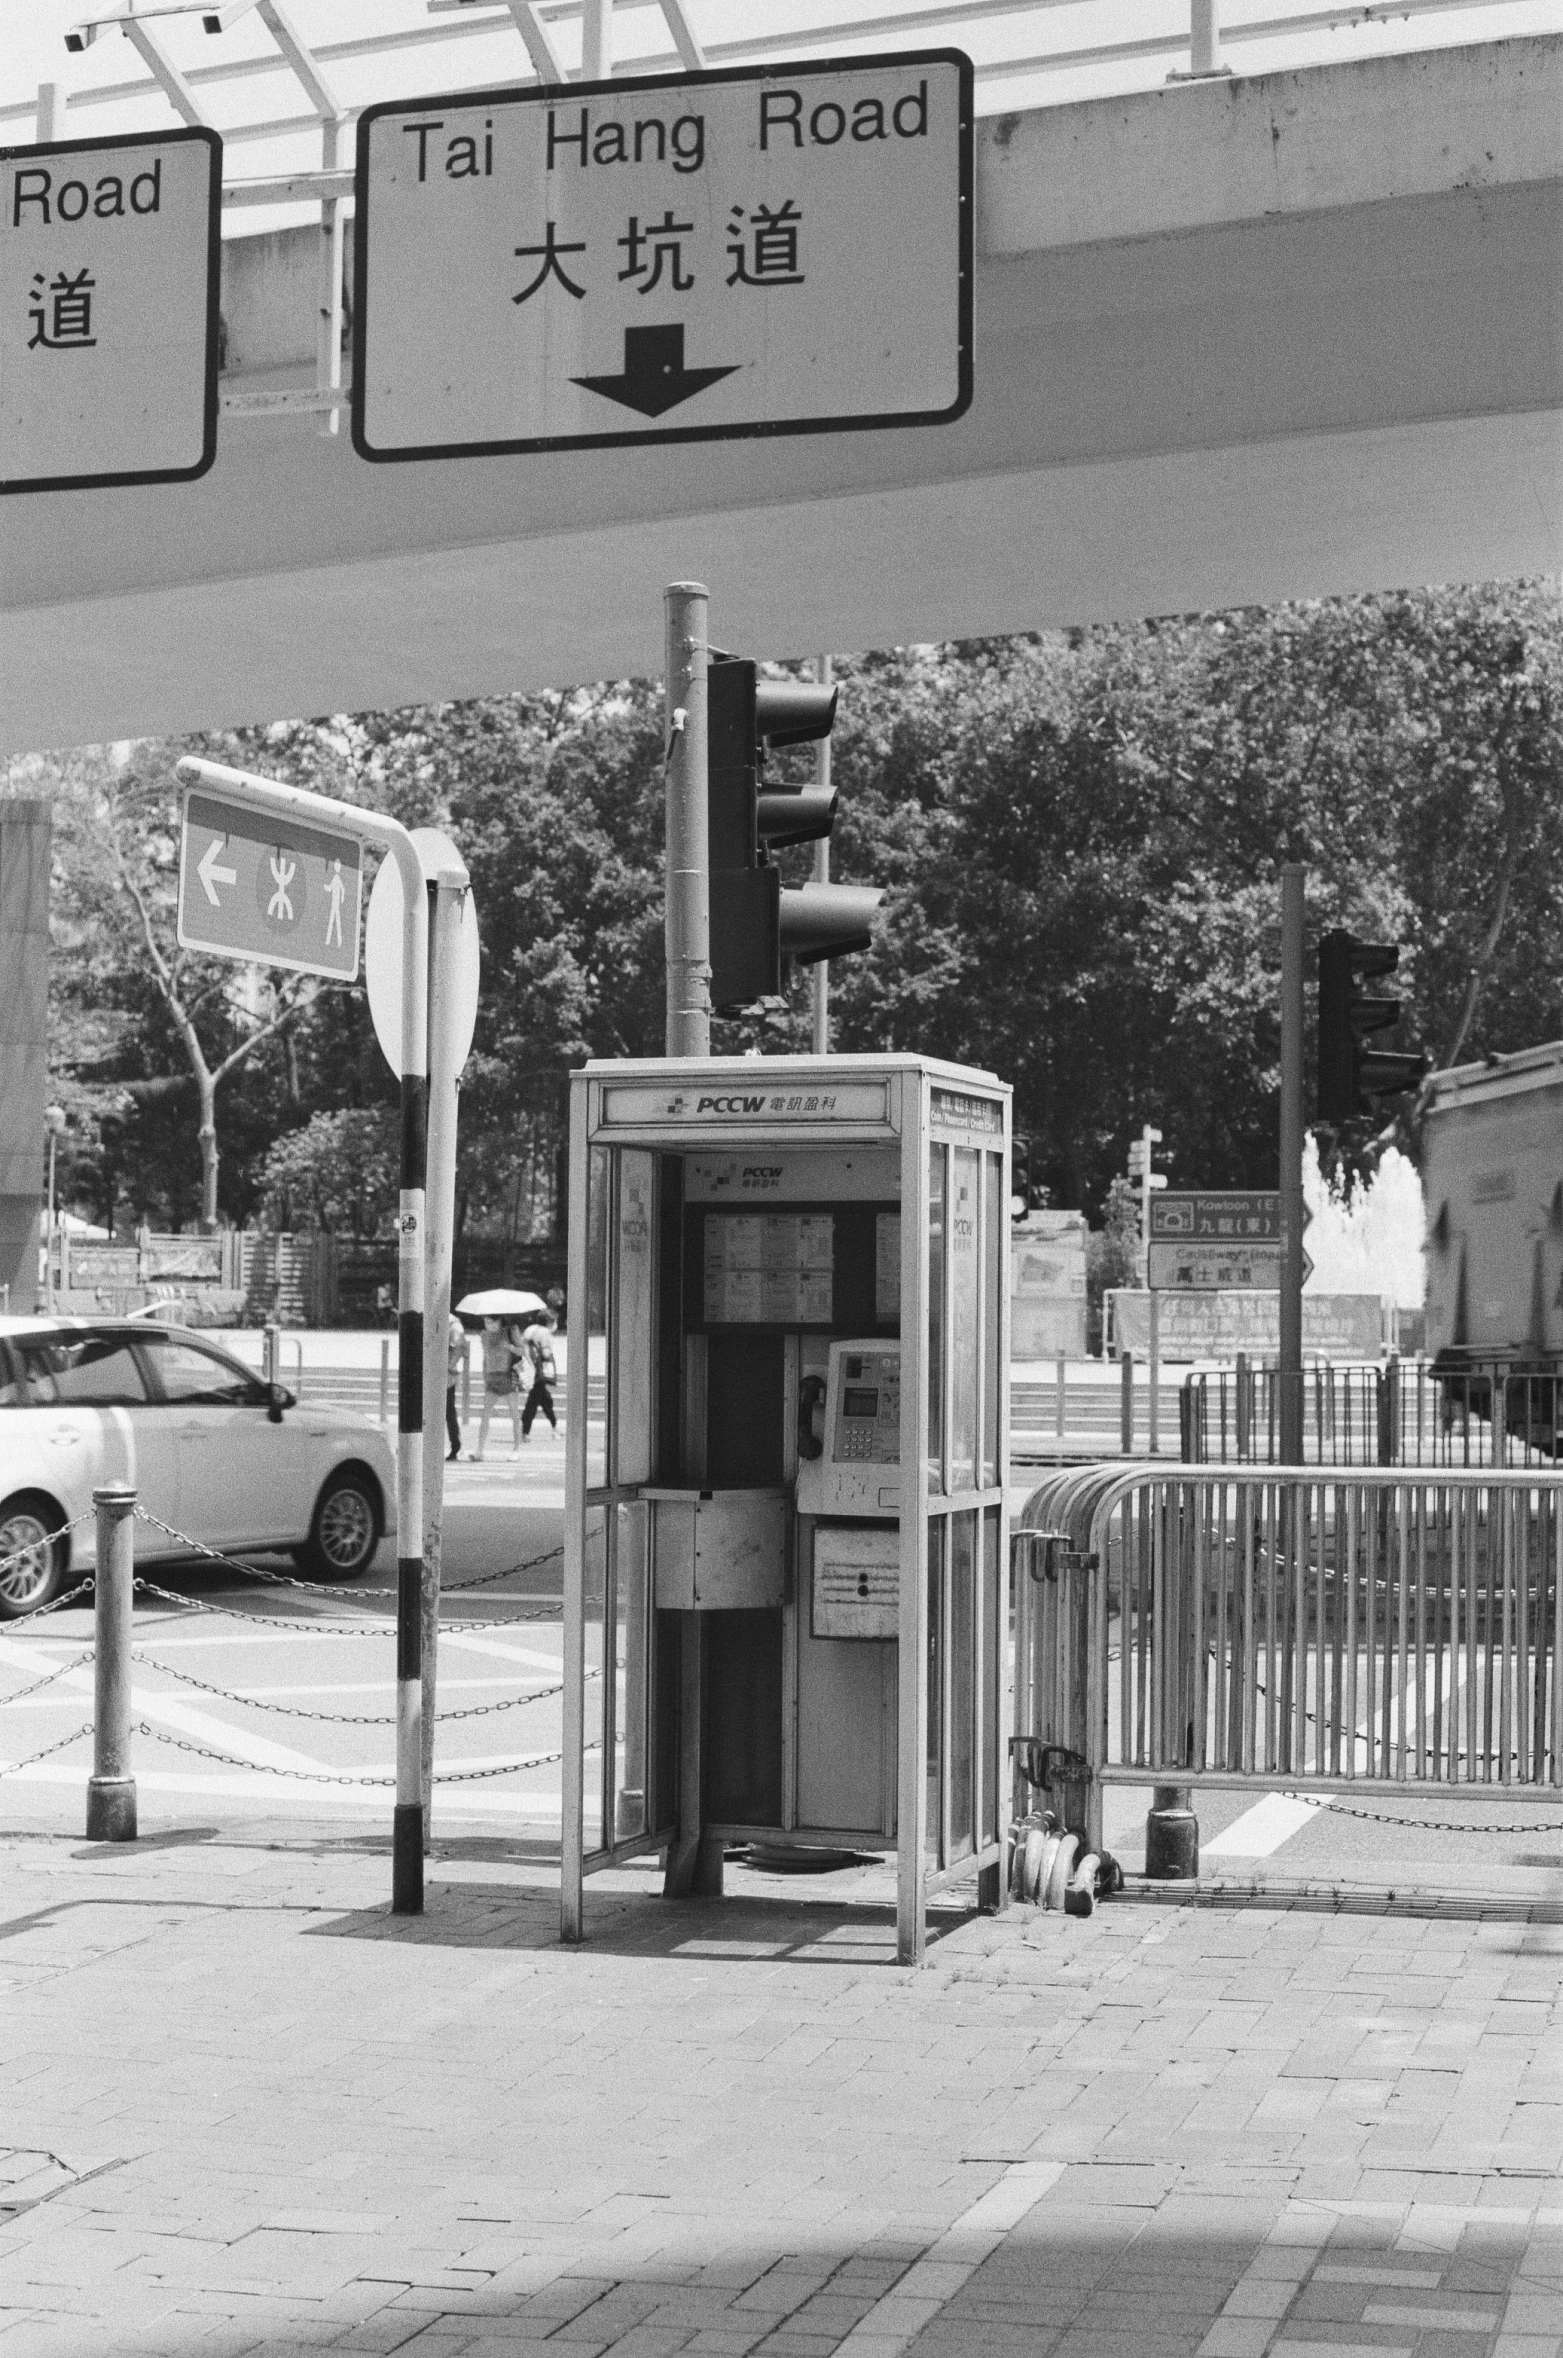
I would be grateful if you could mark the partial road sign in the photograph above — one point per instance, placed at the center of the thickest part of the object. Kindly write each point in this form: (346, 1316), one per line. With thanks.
(256, 885)
(383, 953)
(1214, 1268)
(109, 257)
(667, 258)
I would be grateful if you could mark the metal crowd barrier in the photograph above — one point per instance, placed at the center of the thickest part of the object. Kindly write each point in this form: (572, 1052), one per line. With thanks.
(1330, 1628)
(1399, 1412)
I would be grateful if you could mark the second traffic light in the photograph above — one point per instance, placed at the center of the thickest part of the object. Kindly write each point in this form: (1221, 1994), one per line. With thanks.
(1351, 1074)
(755, 920)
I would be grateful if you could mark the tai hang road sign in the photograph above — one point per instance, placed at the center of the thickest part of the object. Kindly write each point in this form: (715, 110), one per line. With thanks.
(109, 257)
(669, 258)
(1216, 1243)
(254, 884)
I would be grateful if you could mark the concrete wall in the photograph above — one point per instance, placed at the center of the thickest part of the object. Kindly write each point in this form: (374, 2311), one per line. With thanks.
(24, 1034)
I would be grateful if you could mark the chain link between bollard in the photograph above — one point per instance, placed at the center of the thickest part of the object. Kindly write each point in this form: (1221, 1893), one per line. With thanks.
(11, 1767)
(72, 1662)
(322, 1588)
(340, 1719)
(1379, 1817)
(262, 1768)
(321, 1625)
(21, 1555)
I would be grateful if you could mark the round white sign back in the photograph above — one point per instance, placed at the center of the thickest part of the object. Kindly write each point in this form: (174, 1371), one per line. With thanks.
(383, 953)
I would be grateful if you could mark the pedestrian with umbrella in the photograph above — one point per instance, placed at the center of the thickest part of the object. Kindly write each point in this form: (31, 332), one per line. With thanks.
(500, 1308)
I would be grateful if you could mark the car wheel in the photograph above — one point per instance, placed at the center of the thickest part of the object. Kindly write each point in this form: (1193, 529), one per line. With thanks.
(344, 1531)
(36, 1565)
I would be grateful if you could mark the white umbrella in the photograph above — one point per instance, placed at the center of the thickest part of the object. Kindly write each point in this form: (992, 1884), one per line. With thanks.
(500, 1301)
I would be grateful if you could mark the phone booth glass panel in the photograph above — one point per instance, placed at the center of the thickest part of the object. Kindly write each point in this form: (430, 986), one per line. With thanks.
(785, 1468)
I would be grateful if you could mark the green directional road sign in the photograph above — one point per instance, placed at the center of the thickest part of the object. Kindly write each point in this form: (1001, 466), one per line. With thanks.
(258, 886)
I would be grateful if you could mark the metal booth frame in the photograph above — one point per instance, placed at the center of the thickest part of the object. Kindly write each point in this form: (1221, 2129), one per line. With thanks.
(953, 1516)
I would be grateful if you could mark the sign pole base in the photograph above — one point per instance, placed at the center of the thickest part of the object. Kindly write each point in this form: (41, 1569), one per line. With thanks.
(407, 1859)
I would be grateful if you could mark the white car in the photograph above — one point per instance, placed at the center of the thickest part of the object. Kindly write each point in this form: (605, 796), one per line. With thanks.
(213, 1451)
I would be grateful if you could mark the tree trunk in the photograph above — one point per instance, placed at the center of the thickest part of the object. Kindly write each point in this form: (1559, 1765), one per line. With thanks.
(207, 1135)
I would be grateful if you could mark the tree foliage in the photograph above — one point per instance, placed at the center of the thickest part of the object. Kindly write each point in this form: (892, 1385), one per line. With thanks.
(1080, 836)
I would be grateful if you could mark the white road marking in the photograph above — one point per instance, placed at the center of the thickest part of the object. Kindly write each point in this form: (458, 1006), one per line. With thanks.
(504, 1651)
(319, 1800)
(1261, 1830)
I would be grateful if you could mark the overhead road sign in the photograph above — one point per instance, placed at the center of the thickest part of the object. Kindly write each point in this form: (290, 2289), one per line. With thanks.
(672, 258)
(263, 886)
(109, 259)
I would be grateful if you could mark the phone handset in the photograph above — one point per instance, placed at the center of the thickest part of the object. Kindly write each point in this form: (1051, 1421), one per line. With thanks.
(811, 1416)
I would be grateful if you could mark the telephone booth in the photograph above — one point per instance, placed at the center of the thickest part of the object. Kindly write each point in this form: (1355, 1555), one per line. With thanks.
(787, 1438)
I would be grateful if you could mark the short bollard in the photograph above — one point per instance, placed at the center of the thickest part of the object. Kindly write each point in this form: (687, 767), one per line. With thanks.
(111, 1789)
(1171, 1836)
(1126, 1404)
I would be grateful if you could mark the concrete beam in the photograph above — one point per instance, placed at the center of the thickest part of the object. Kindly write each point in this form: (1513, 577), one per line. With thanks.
(1235, 341)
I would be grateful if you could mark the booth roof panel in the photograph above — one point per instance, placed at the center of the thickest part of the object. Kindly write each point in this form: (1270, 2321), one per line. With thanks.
(774, 1071)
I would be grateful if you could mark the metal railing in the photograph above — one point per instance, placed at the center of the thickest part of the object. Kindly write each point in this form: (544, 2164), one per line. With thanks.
(1336, 1629)
(1398, 1412)
(1016, 39)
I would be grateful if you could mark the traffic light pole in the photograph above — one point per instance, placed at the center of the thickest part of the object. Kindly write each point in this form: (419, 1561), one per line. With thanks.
(1290, 1385)
(822, 876)
(687, 852)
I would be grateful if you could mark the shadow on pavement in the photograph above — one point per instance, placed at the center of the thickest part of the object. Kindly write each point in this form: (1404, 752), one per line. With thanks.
(733, 1930)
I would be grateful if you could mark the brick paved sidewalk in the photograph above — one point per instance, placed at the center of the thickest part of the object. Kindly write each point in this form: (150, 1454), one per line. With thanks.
(246, 2111)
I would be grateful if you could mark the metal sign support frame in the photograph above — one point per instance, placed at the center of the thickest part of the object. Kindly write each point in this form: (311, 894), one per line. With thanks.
(415, 1242)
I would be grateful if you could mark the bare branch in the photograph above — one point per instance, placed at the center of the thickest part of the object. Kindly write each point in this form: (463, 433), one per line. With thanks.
(289, 1000)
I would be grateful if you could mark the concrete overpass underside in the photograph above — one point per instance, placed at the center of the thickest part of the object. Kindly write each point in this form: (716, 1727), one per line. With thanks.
(1236, 342)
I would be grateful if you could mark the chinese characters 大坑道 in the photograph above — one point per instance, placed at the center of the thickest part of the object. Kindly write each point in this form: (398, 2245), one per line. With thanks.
(773, 238)
(61, 312)
(666, 240)
(762, 246)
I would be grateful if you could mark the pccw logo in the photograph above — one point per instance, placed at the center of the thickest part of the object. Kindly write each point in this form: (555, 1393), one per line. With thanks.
(738, 1105)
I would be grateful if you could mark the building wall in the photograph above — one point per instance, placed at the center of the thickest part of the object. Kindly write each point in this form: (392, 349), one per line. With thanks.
(24, 1035)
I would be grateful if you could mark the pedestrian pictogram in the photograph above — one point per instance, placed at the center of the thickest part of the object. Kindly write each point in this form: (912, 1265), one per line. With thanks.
(109, 254)
(261, 886)
(776, 250)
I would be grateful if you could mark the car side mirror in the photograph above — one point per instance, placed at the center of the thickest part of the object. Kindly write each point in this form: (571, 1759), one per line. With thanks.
(278, 1397)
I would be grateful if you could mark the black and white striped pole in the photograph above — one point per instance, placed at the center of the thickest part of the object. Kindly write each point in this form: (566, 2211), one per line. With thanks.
(407, 1821)
(376, 827)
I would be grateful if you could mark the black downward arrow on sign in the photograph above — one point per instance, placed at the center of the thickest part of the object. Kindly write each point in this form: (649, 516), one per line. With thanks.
(655, 378)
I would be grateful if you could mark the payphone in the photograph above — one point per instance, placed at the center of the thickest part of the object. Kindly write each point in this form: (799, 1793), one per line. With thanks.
(785, 1522)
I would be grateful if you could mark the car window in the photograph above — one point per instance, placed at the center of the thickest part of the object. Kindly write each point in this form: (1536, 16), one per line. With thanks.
(190, 1376)
(67, 1371)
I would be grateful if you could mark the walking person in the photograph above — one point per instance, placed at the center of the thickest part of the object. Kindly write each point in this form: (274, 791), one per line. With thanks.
(500, 1353)
(539, 1342)
(455, 1362)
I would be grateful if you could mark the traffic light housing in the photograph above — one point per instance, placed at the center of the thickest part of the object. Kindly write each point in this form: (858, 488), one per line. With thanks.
(755, 920)
(1019, 1177)
(1351, 1074)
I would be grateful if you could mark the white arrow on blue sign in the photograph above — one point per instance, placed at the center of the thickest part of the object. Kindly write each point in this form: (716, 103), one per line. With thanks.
(258, 886)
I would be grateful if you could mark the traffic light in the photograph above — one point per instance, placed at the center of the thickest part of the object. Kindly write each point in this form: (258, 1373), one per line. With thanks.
(1019, 1178)
(1140, 1157)
(755, 920)
(1351, 1074)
